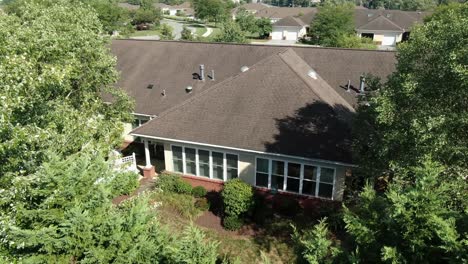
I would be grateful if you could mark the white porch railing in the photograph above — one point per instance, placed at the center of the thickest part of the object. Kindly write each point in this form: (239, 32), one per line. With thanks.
(127, 163)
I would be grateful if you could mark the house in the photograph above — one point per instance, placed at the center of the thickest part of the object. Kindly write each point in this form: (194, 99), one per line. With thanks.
(252, 8)
(128, 6)
(276, 117)
(184, 9)
(385, 27)
(292, 27)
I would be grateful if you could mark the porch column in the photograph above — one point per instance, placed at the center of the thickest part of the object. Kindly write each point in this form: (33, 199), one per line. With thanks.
(148, 170)
(147, 154)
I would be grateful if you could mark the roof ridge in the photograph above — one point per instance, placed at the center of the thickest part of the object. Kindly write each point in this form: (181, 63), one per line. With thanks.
(341, 100)
(215, 86)
(384, 17)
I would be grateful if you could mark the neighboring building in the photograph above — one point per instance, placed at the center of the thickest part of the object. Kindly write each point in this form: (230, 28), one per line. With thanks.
(276, 117)
(250, 7)
(385, 27)
(128, 6)
(184, 9)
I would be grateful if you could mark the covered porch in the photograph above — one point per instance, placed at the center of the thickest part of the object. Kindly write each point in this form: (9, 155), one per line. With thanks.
(149, 156)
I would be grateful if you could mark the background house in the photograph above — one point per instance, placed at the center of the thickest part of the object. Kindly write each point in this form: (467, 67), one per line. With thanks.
(276, 117)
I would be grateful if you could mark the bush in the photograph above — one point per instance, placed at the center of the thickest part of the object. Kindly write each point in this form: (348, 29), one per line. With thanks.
(124, 183)
(232, 223)
(182, 204)
(287, 206)
(173, 183)
(202, 204)
(199, 191)
(237, 197)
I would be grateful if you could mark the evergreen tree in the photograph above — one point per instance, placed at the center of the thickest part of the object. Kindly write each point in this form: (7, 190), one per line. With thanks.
(186, 34)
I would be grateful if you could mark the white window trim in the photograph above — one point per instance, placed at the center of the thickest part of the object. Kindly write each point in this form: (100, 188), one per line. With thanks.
(210, 157)
(301, 176)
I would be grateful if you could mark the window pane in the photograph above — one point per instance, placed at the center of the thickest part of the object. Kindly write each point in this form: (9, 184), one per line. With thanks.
(292, 185)
(178, 165)
(189, 155)
(218, 172)
(190, 168)
(204, 169)
(326, 175)
(177, 152)
(277, 167)
(308, 187)
(310, 172)
(262, 165)
(294, 170)
(262, 179)
(231, 161)
(325, 190)
(203, 156)
(231, 173)
(217, 158)
(277, 182)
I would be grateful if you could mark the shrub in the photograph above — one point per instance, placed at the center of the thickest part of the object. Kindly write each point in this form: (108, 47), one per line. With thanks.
(182, 204)
(202, 204)
(237, 197)
(124, 183)
(199, 191)
(173, 183)
(232, 223)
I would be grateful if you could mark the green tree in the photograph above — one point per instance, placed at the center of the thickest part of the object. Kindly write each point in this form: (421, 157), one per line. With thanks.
(231, 32)
(186, 34)
(264, 27)
(166, 32)
(210, 10)
(55, 65)
(246, 21)
(112, 17)
(331, 24)
(146, 15)
(421, 111)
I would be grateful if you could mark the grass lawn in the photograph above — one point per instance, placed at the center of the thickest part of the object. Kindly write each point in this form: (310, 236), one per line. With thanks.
(200, 29)
(144, 33)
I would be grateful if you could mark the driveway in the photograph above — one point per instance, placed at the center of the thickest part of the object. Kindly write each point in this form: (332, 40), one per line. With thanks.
(176, 27)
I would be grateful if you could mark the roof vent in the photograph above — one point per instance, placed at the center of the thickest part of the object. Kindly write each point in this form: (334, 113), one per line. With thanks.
(312, 74)
(150, 86)
(189, 89)
(389, 15)
(244, 68)
(370, 15)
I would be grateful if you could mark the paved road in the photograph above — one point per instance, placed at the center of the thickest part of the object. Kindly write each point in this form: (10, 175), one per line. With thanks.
(176, 30)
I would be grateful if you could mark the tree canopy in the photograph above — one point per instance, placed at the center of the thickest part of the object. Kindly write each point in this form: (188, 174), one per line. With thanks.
(230, 32)
(210, 10)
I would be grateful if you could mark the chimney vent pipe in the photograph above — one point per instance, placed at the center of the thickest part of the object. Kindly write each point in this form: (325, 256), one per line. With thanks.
(202, 72)
(362, 83)
(212, 75)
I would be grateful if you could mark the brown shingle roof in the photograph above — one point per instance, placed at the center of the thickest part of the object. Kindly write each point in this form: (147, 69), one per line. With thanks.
(169, 66)
(282, 12)
(387, 19)
(273, 107)
(128, 6)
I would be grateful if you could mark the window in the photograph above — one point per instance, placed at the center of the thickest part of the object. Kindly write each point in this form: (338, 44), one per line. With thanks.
(177, 159)
(190, 161)
(277, 175)
(218, 165)
(231, 166)
(261, 176)
(204, 163)
(326, 182)
(295, 177)
(310, 180)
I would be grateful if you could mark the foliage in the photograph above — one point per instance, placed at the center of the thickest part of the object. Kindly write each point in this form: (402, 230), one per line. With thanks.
(169, 182)
(202, 204)
(410, 222)
(149, 15)
(264, 27)
(210, 10)
(166, 32)
(230, 32)
(64, 212)
(199, 191)
(332, 23)
(54, 66)
(237, 197)
(124, 183)
(288, 206)
(181, 204)
(192, 248)
(232, 222)
(421, 110)
(408, 5)
(112, 17)
(315, 245)
(355, 42)
(246, 21)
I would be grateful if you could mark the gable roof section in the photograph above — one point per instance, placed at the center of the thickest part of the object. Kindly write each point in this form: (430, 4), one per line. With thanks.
(388, 18)
(290, 21)
(381, 23)
(282, 12)
(169, 66)
(273, 107)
